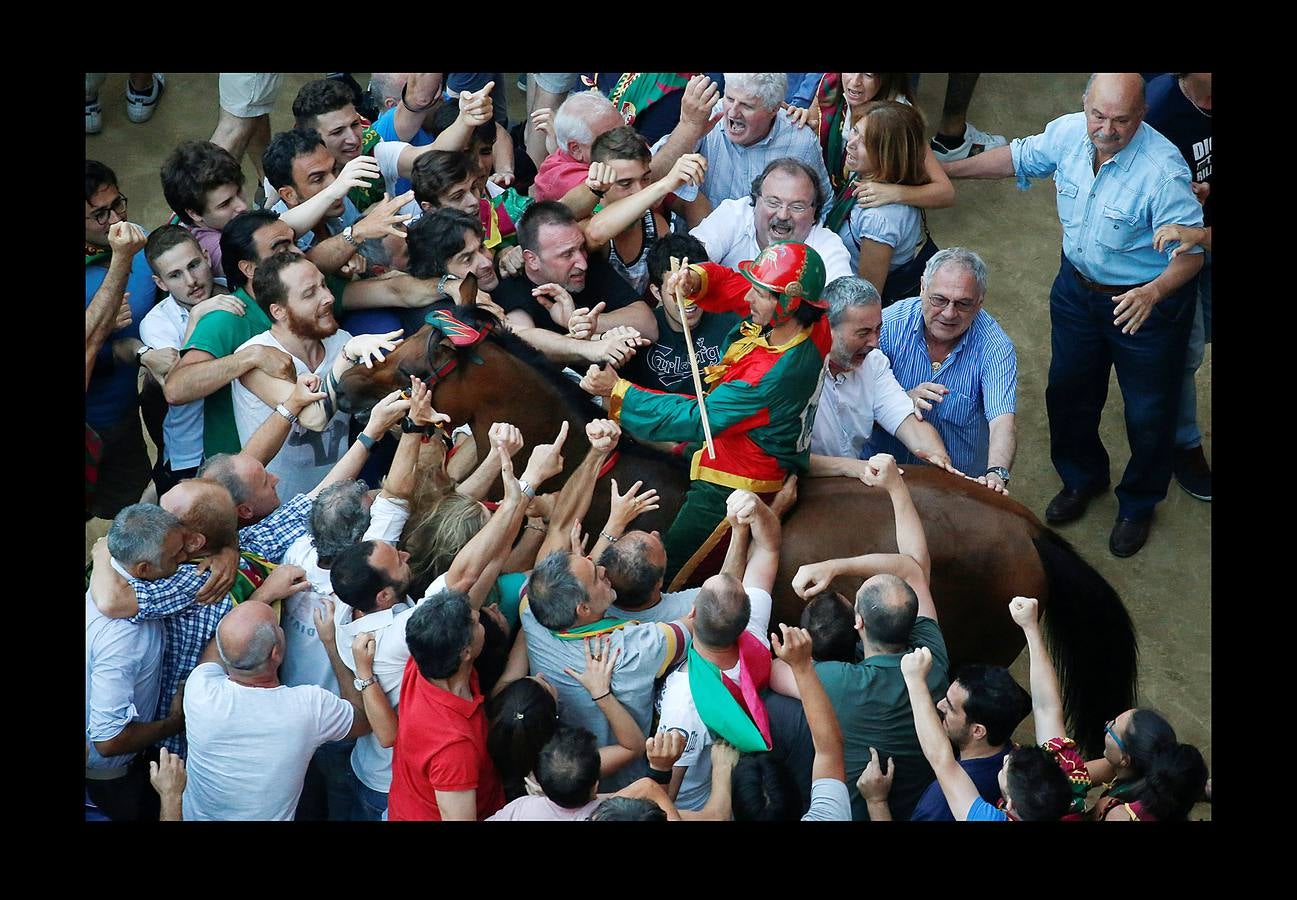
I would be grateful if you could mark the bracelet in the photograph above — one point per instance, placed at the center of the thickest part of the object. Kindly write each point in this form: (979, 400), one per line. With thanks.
(598, 194)
(283, 411)
(659, 776)
(366, 441)
(412, 108)
(536, 528)
(526, 488)
(608, 694)
(409, 426)
(608, 537)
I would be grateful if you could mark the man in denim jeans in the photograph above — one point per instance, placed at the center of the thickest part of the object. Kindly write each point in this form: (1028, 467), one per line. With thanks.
(1116, 300)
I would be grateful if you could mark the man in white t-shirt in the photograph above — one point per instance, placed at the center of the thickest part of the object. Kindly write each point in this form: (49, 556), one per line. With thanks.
(860, 389)
(730, 619)
(293, 293)
(784, 205)
(250, 737)
(181, 267)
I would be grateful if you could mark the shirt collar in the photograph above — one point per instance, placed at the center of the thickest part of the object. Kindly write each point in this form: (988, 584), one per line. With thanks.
(369, 622)
(1126, 158)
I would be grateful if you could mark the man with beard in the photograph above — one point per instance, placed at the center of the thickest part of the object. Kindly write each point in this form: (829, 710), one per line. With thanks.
(292, 292)
(859, 389)
(784, 205)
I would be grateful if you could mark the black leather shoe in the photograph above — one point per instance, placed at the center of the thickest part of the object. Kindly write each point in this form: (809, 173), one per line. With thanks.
(1128, 536)
(1069, 505)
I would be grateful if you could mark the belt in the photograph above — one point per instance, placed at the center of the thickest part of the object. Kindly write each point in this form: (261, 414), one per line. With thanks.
(106, 774)
(1101, 288)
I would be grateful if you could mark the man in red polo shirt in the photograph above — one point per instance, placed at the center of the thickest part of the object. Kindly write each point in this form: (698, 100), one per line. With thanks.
(440, 767)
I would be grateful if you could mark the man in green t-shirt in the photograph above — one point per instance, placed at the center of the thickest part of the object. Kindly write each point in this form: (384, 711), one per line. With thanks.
(665, 365)
(894, 612)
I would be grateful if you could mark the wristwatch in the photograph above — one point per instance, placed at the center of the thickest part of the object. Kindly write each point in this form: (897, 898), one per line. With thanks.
(409, 426)
(346, 236)
(360, 685)
(443, 281)
(1001, 471)
(283, 411)
(139, 354)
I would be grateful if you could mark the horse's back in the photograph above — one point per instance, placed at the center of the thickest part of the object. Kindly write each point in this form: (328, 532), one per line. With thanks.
(980, 544)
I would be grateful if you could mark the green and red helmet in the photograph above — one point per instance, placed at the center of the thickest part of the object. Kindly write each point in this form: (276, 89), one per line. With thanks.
(791, 270)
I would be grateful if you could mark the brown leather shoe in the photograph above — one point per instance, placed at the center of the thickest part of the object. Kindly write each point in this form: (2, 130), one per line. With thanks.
(1069, 504)
(1128, 536)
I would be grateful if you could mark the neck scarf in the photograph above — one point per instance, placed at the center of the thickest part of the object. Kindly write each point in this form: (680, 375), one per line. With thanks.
(734, 712)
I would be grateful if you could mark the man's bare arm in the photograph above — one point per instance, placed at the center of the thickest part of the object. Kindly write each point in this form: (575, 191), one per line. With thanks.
(995, 163)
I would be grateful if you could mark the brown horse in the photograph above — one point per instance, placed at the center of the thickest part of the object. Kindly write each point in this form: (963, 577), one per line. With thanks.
(985, 548)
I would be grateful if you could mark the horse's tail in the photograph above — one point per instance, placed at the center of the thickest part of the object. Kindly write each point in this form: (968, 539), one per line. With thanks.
(1091, 639)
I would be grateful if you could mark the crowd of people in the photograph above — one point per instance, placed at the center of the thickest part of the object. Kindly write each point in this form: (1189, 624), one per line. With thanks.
(738, 269)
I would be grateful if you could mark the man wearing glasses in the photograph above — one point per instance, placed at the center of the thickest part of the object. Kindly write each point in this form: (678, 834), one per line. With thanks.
(784, 205)
(957, 365)
(112, 399)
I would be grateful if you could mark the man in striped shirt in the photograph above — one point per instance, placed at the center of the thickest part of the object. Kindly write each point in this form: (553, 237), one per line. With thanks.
(958, 365)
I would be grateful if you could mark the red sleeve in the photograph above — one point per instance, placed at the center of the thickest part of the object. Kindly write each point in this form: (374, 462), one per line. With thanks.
(723, 289)
(455, 767)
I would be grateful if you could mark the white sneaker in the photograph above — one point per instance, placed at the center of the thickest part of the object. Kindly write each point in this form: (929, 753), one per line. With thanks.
(140, 107)
(94, 117)
(975, 142)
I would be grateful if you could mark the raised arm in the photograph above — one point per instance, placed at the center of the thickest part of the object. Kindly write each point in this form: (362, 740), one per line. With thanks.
(748, 509)
(125, 239)
(574, 499)
(421, 92)
(324, 630)
(378, 709)
(883, 472)
(503, 438)
(616, 217)
(622, 510)
(309, 213)
(1046, 700)
(475, 108)
(795, 650)
(491, 544)
(956, 785)
(696, 119)
(386, 413)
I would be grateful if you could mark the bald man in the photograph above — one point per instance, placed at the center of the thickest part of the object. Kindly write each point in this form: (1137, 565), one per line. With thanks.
(251, 738)
(1116, 301)
(894, 612)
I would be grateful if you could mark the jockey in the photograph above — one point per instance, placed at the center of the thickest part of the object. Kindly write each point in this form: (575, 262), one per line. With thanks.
(757, 399)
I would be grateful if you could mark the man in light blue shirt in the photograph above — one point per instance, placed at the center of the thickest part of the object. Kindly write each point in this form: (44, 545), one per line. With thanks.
(958, 366)
(1115, 301)
(750, 134)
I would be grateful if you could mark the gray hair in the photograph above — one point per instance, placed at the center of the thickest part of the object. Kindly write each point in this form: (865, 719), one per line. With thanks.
(257, 654)
(573, 117)
(221, 468)
(387, 85)
(339, 518)
(554, 592)
(137, 534)
(769, 87)
(957, 256)
(847, 291)
(1143, 92)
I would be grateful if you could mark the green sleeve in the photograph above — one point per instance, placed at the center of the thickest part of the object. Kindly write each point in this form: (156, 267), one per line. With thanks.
(216, 334)
(675, 417)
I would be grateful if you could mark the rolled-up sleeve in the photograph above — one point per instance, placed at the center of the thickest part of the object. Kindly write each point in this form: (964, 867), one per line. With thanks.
(112, 694)
(1174, 204)
(1037, 156)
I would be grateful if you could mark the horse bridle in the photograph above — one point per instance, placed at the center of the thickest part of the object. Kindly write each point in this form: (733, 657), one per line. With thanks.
(435, 336)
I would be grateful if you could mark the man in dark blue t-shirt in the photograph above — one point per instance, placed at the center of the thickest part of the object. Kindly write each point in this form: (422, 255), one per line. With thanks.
(981, 709)
(1179, 107)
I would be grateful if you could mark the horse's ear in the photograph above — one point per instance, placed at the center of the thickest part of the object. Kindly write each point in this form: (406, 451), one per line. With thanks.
(468, 293)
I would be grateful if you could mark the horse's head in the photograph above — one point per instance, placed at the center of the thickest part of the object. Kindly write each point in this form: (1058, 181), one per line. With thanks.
(431, 353)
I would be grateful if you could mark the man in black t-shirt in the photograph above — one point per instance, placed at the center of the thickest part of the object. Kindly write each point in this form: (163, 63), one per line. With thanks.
(664, 366)
(572, 307)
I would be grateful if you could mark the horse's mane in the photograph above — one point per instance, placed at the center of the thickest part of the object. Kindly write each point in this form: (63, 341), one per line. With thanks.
(577, 400)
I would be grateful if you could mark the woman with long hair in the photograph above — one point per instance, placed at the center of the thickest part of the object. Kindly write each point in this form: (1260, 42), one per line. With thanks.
(1148, 774)
(888, 244)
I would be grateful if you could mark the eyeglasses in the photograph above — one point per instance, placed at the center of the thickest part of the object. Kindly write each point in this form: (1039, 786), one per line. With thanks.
(962, 306)
(774, 204)
(1121, 745)
(101, 215)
